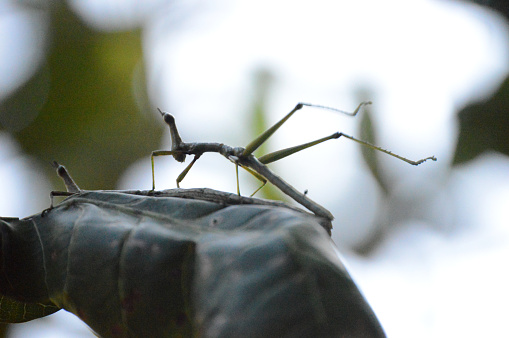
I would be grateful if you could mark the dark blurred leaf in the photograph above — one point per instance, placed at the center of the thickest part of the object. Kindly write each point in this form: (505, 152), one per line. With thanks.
(500, 6)
(87, 114)
(15, 311)
(20, 109)
(370, 156)
(484, 127)
(154, 266)
(4, 329)
(22, 295)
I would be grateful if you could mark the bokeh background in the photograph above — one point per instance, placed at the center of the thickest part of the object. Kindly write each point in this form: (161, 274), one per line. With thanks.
(80, 82)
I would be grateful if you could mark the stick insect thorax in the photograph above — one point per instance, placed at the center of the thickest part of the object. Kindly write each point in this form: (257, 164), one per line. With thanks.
(244, 157)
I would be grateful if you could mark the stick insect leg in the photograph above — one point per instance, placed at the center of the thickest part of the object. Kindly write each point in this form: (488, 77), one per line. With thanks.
(277, 155)
(252, 172)
(184, 173)
(237, 177)
(160, 153)
(369, 145)
(258, 176)
(257, 142)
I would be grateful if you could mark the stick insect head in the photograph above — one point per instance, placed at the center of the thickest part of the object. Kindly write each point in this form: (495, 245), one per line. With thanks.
(176, 141)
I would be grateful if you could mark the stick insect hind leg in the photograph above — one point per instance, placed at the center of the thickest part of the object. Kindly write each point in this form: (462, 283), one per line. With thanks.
(252, 172)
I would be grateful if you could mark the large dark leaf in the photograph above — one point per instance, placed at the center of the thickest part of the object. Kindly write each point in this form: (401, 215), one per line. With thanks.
(23, 296)
(211, 264)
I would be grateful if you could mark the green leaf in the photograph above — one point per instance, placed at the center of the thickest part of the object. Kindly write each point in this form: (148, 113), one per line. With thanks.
(189, 263)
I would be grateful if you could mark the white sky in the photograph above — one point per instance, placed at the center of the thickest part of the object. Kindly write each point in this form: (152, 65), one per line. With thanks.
(422, 61)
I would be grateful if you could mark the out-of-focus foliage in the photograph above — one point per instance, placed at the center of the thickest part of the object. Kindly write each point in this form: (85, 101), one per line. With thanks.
(484, 127)
(83, 96)
(368, 133)
(497, 5)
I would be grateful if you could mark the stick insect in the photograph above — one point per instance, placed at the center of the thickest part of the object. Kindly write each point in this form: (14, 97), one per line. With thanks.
(71, 187)
(244, 157)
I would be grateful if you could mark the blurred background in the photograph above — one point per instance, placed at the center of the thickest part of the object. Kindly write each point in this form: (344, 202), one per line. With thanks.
(80, 82)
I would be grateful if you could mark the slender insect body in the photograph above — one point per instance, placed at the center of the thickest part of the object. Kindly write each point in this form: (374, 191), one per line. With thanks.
(257, 166)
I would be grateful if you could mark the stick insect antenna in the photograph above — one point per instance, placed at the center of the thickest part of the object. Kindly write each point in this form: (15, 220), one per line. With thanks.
(364, 103)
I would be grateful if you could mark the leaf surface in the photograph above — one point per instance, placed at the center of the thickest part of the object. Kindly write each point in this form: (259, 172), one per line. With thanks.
(133, 265)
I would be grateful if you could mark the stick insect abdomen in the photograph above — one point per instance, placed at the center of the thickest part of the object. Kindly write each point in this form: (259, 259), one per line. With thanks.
(260, 168)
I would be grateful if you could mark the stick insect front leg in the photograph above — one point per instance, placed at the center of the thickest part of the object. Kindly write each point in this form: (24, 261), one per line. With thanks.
(172, 153)
(184, 173)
